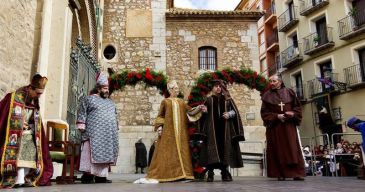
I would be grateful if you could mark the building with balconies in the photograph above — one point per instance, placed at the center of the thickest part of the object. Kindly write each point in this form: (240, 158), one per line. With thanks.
(267, 35)
(322, 52)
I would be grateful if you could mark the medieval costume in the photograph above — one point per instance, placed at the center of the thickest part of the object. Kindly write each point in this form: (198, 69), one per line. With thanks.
(358, 125)
(284, 154)
(25, 159)
(141, 155)
(97, 120)
(171, 160)
(220, 148)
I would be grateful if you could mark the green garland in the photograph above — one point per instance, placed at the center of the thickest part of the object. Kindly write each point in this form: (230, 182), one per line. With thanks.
(117, 81)
(244, 76)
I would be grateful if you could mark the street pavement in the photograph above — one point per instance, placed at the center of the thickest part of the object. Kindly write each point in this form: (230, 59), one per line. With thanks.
(124, 182)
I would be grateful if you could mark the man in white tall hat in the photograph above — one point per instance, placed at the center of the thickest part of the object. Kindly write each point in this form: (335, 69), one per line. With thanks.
(97, 121)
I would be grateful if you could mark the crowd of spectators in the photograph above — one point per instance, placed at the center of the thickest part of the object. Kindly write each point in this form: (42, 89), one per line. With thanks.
(324, 160)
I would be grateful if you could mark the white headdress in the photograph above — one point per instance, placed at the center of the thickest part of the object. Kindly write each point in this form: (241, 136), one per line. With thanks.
(102, 79)
(172, 84)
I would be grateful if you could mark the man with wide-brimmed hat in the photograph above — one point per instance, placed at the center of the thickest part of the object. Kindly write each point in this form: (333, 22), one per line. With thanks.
(97, 121)
(25, 159)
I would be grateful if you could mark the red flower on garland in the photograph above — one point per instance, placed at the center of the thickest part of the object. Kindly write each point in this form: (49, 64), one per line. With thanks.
(130, 75)
(226, 75)
(148, 75)
(214, 76)
(139, 76)
(159, 78)
(203, 87)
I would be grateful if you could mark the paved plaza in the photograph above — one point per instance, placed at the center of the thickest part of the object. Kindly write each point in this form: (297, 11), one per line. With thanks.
(124, 182)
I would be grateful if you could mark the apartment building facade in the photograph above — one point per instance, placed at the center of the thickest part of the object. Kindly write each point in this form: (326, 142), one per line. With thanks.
(322, 57)
(267, 33)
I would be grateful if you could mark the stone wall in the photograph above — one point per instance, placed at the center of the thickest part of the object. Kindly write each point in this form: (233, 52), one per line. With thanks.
(236, 45)
(172, 48)
(17, 37)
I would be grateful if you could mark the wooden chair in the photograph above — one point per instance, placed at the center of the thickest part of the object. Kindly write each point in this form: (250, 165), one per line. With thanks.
(61, 150)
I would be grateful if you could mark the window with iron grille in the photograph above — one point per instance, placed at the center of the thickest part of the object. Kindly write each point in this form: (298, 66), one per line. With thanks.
(207, 58)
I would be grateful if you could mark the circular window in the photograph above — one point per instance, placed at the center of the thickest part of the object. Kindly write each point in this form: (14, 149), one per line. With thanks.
(109, 52)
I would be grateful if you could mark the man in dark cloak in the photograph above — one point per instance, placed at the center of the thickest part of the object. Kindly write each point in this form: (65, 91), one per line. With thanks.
(25, 159)
(141, 155)
(281, 112)
(221, 126)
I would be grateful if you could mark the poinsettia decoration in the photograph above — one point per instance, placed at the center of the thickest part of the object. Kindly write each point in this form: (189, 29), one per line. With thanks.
(244, 76)
(151, 78)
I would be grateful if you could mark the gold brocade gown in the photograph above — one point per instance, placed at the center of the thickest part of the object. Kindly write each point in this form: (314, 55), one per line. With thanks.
(171, 159)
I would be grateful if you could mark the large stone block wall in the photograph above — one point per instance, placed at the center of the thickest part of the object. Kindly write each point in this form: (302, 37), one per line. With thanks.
(17, 35)
(171, 49)
(236, 45)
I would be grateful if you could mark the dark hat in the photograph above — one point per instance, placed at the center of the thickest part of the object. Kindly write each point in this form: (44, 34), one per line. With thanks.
(38, 81)
(219, 82)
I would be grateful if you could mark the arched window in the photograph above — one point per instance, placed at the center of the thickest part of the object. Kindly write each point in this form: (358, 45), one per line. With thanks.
(207, 58)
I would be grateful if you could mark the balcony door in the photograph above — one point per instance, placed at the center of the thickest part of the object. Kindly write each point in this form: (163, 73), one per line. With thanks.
(291, 10)
(299, 86)
(321, 28)
(360, 7)
(362, 63)
(326, 72)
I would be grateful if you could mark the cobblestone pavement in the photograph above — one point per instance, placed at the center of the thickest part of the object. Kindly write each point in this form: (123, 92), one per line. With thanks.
(124, 182)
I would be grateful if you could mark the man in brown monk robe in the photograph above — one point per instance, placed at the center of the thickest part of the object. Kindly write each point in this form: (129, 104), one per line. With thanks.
(281, 112)
(222, 128)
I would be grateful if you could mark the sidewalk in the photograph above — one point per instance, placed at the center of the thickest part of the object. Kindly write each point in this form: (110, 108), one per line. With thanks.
(124, 182)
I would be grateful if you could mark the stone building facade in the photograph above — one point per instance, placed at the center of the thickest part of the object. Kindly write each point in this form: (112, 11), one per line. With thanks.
(20, 25)
(154, 34)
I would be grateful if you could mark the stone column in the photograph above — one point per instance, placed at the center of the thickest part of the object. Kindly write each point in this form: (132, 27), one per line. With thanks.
(54, 57)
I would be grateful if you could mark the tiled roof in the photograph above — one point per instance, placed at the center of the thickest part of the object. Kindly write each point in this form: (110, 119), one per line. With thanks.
(180, 11)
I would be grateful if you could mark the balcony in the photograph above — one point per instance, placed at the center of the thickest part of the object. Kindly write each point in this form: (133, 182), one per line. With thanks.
(325, 85)
(291, 56)
(273, 42)
(288, 19)
(270, 15)
(309, 6)
(352, 25)
(318, 41)
(354, 76)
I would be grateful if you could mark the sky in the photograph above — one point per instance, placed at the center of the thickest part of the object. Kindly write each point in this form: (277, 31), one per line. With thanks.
(207, 4)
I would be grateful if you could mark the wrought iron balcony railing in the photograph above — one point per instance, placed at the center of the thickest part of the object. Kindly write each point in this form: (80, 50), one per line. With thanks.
(288, 19)
(354, 75)
(309, 6)
(291, 56)
(322, 85)
(352, 25)
(318, 41)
